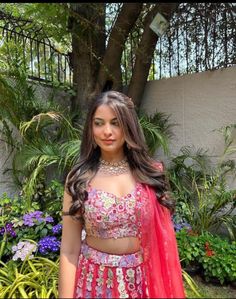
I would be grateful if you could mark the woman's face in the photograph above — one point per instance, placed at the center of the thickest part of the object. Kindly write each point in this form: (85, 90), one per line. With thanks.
(107, 132)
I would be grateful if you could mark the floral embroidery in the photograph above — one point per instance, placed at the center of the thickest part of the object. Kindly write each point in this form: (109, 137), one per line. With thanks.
(108, 216)
(103, 275)
(131, 286)
(110, 279)
(108, 201)
(130, 273)
(102, 272)
(121, 286)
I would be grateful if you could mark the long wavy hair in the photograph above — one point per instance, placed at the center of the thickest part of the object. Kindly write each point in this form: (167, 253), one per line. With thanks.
(141, 164)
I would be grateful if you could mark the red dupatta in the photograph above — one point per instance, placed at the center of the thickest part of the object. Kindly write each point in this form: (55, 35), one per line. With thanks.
(161, 259)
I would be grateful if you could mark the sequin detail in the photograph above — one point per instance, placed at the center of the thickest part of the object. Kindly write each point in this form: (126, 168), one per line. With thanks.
(98, 275)
(111, 260)
(108, 216)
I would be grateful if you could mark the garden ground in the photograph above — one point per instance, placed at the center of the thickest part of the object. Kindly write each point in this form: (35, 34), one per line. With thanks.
(210, 290)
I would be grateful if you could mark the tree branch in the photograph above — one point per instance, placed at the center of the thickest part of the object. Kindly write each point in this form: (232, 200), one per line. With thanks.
(110, 67)
(145, 51)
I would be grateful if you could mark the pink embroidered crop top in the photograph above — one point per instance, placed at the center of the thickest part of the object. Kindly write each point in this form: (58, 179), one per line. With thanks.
(109, 216)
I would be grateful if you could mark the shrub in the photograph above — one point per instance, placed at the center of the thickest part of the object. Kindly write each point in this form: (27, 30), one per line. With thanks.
(34, 278)
(214, 255)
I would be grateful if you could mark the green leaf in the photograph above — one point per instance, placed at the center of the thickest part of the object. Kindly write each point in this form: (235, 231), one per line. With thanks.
(44, 232)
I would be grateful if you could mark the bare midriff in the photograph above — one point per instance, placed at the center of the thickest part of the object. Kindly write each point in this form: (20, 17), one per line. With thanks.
(118, 246)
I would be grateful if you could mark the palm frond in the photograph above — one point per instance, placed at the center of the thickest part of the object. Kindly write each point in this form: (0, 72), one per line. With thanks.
(34, 159)
(70, 151)
(157, 131)
(191, 284)
(54, 120)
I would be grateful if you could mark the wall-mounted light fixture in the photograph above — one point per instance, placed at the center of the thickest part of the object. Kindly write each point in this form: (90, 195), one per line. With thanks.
(159, 24)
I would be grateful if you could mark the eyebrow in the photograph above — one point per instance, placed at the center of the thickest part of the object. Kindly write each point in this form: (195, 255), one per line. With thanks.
(98, 118)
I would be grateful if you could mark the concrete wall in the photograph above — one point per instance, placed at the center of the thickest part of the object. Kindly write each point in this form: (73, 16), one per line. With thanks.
(199, 104)
(6, 184)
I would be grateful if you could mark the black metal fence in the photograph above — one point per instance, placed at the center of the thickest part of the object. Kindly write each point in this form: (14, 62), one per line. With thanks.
(42, 61)
(201, 37)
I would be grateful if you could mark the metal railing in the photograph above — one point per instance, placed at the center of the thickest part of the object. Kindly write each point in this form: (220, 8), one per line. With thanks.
(42, 61)
(201, 37)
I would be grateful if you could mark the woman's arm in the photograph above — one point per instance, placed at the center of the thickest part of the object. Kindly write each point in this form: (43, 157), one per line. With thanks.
(70, 249)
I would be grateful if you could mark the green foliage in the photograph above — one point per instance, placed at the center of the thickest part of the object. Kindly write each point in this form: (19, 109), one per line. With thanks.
(39, 133)
(13, 207)
(203, 197)
(41, 153)
(34, 278)
(190, 286)
(51, 17)
(189, 247)
(157, 130)
(219, 261)
(214, 255)
(18, 96)
(214, 206)
(53, 197)
(17, 99)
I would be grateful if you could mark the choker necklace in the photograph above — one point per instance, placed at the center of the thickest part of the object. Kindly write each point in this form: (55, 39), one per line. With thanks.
(113, 168)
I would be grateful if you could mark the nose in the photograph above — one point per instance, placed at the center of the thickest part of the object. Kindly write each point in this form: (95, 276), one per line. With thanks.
(107, 130)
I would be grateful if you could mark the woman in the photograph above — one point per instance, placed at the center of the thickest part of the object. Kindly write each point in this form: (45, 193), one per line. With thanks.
(118, 195)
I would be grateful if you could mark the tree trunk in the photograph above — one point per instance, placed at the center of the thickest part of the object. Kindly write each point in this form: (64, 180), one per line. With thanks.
(87, 25)
(110, 69)
(145, 52)
(96, 68)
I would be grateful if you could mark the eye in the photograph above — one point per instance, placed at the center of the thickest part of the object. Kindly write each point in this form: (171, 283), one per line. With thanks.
(98, 123)
(115, 123)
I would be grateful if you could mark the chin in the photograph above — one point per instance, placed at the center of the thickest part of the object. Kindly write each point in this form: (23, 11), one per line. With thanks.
(108, 149)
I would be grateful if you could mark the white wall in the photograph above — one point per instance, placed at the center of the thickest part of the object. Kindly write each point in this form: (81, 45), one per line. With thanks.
(199, 103)
(5, 179)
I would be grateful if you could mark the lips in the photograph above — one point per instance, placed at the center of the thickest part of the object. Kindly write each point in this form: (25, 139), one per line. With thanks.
(108, 141)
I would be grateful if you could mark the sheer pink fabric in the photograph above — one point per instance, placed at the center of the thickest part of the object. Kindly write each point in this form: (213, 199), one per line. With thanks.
(161, 260)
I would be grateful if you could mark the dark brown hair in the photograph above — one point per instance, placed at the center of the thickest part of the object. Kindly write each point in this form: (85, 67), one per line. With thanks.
(141, 164)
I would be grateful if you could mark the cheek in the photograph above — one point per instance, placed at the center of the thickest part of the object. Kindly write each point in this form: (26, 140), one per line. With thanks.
(121, 136)
(95, 131)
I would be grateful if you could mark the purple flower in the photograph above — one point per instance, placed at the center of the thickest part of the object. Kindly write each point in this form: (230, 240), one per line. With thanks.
(56, 229)
(8, 228)
(48, 219)
(181, 225)
(32, 218)
(48, 244)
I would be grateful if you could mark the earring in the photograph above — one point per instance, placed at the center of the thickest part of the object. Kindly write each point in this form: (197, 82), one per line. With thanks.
(128, 146)
(94, 144)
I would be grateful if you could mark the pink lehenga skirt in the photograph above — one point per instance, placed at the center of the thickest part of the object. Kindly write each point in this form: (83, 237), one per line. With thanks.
(103, 275)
